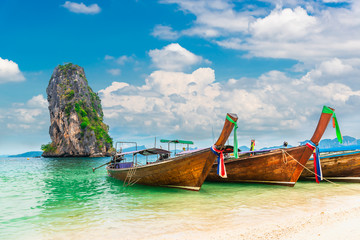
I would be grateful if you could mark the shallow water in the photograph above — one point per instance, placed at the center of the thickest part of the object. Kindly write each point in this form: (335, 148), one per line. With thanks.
(44, 198)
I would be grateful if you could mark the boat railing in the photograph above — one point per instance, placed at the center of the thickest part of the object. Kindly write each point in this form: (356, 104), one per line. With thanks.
(146, 156)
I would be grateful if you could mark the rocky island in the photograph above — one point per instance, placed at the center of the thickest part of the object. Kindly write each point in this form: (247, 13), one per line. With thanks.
(76, 116)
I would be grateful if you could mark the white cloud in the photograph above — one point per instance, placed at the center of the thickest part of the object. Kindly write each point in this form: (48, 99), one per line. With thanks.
(231, 43)
(213, 18)
(273, 104)
(114, 71)
(335, 67)
(308, 37)
(334, 92)
(164, 32)
(171, 97)
(17, 126)
(307, 31)
(173, 57)
(123, 59)
(205, 32)
(108, 57)
(38, 102)
(120, 60)
(285, 25)
(336, 1)
(28, 115)
(82, 8)
(335, 71)
(10, 72)
(31, 116)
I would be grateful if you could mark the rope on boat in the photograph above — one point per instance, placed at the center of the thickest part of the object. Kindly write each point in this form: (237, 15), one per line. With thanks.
(128, 180)
(284, 158)
(286, 153)
(338, 185)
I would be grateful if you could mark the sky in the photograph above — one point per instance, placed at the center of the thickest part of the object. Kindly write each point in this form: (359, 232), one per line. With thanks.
(174, 68)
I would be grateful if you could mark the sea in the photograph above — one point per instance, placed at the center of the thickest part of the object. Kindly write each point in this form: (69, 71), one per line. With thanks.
(53, 198)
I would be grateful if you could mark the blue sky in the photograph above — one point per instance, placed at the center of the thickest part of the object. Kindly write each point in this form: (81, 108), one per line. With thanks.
(172, 69)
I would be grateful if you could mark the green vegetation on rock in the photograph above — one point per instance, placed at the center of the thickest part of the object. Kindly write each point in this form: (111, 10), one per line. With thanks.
(48, 148)
(89, 119)
(67, 67)
(70, 96)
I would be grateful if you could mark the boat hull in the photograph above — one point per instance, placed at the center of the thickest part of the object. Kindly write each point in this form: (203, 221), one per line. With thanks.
(185, 172)
(343, 167)
(279, 167)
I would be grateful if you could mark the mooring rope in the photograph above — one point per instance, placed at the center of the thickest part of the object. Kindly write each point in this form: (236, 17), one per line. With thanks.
(284, 153)
(327, 180)
(128, 180)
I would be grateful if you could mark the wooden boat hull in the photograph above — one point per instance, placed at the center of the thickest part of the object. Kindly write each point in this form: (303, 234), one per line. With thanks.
(280, 166)
(275, 167)
(343, 167)
(186, 172)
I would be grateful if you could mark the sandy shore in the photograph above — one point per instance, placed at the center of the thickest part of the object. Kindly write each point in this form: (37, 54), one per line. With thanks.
(326, 222)
(317, 213)
(329, 222)
(321, 221)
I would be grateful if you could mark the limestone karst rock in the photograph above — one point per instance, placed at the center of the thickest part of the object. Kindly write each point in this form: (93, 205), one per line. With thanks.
(76, 116)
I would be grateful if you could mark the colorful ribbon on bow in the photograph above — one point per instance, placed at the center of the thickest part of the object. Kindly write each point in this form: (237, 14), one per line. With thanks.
(235, 137)
(335, 122)
(221, 171)
(317, 165)
(252, 146)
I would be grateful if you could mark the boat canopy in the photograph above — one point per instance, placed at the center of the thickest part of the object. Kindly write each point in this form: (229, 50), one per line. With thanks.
(176, 141)
(145, 152)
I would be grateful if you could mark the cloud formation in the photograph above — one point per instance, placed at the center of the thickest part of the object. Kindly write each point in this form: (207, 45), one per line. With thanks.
(213, 18)
(30, 116)
(310, 32)
(183, 103)
(114, 71)
(82, 8)
(10, 72)
(164, 32)
(119, 60)
(173, 57)
(38, 102)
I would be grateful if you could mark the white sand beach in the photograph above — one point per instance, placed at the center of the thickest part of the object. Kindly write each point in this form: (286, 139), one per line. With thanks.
(319, 221)
(327, 222)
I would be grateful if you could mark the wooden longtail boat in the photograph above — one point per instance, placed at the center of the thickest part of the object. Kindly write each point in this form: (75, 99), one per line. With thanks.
(280, 166)
(338, 165)
(186, 171)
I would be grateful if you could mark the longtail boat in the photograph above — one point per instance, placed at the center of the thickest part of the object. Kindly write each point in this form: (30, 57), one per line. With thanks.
(340, 164)
(280, 166)
(185, 171)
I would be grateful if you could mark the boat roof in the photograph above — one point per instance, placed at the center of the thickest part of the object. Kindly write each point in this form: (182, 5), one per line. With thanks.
(176, 141)
(146, 152)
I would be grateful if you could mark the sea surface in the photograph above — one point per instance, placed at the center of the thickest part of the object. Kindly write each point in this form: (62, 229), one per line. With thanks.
(51, 198)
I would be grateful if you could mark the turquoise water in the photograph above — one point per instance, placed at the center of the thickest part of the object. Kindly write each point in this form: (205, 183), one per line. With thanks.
(63, 199)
